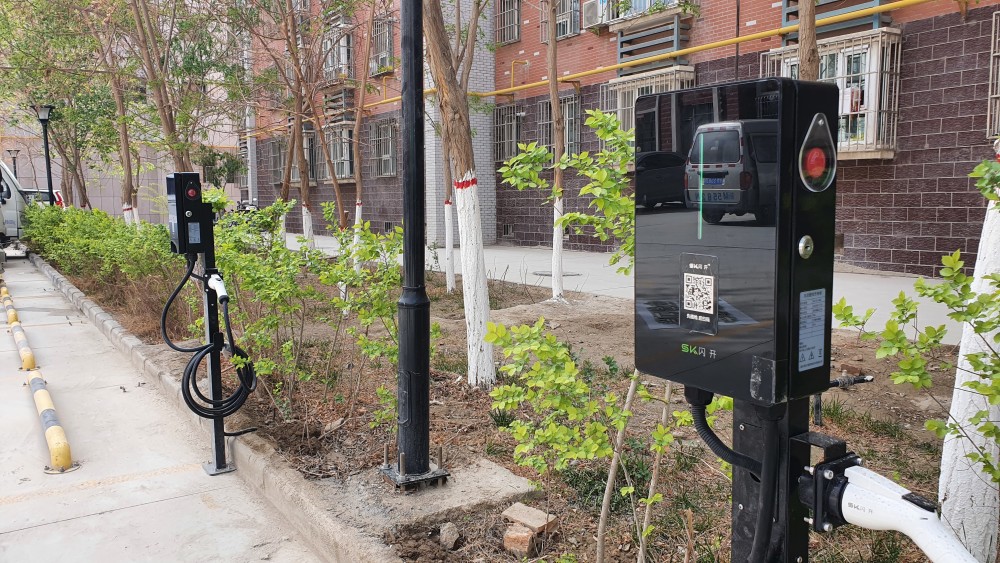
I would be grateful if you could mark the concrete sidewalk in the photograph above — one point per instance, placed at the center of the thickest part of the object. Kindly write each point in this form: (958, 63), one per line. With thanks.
(140, 493)
(589, 272)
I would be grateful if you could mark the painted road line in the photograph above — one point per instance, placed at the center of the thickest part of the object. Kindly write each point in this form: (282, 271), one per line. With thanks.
(60, 458)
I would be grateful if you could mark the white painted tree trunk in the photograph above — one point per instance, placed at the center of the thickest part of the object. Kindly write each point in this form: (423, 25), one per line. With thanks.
(476, 293)
(307, 227)
(557, 251)
(127, 214)
(970, 504)
(449, 246)
(135, 216)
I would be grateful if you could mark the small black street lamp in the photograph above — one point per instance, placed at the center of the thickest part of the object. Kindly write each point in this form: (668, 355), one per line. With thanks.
(43, 113)
(13, 159)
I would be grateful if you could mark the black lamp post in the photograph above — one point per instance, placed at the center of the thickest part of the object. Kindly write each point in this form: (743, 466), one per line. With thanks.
(43, 117)
(13, 159)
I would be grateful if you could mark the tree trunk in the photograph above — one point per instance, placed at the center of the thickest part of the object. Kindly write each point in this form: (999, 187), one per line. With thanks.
(609, 486)
(970, 504)
(558, 148)
(808, 54)
(455, 120)
(449, 228)
(146, 42)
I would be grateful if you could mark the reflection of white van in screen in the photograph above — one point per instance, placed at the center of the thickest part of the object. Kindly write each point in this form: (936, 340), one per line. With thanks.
(733, 168)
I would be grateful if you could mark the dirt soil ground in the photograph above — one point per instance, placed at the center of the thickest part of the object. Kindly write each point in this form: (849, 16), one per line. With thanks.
(335, 436)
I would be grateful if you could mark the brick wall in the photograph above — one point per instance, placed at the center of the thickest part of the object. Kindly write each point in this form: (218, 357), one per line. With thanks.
(529, 211)
(903, 214)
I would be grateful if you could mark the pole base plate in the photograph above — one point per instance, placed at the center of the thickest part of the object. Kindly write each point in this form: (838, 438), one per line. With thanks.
(212, 470)
(434, 477)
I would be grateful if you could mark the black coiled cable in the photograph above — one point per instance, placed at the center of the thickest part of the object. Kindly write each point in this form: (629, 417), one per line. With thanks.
(245, 373)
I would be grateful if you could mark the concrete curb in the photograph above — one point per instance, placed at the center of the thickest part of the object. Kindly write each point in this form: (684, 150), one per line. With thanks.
(259, 465)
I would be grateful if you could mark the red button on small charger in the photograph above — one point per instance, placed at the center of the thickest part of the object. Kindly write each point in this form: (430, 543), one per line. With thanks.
(815, 162)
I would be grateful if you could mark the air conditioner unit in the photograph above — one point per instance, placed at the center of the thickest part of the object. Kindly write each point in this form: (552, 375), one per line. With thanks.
(593, 13)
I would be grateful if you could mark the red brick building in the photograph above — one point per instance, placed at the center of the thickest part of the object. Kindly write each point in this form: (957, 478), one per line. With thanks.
(918, 105)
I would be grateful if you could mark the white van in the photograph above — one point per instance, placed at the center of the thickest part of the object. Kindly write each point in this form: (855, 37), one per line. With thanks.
(12, 204)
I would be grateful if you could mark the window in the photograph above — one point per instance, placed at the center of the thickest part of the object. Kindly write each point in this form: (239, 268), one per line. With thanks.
(567, 18)
(279, 150)
(619, 94)
(508, 21)
(338, 56)
(570, 106)
(382, 148)
(865, 66)
(242, 177)
(312, 154)
(506, 121)
(993, 109)
(340, 142)
(381, 60)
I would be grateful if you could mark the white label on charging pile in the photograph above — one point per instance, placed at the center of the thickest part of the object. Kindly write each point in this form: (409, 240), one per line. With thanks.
(812, 328)
(194, 233)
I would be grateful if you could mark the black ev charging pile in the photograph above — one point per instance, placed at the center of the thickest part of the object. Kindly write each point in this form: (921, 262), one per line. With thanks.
(190, 221)
(733, 296)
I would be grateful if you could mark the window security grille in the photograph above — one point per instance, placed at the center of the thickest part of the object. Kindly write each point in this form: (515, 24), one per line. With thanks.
(340, 142)
(570, 106)
(508, 21)
(619, 94)
(381, 60)
(382, 148)
(567, 18)
(993, 108)
(866, 68)
(338, 52)
(507, 128)
(242, 177)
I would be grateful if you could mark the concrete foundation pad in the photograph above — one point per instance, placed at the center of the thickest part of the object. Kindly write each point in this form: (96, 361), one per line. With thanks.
(342, 520)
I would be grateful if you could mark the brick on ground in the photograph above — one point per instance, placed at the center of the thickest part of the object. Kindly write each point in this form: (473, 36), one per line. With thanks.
(535, 520)
(519, 540)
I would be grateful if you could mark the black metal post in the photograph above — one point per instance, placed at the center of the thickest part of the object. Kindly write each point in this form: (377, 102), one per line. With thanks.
(413, 393)
(213, 334)
(790, 532)
(48, 162)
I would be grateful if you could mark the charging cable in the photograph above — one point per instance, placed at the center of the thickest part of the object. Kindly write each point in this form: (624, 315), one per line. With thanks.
(201, 405)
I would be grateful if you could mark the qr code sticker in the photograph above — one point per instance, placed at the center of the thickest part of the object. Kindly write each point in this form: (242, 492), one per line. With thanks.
(699, 293)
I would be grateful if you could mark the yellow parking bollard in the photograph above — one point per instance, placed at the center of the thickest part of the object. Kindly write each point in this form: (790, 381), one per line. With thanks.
(60, 458)
(8, 305)
(27, 356)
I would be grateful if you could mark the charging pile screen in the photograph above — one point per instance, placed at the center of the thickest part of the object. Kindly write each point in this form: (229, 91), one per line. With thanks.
(705, 242)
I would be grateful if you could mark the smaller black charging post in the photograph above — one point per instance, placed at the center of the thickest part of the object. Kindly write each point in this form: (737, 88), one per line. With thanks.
(190, 221)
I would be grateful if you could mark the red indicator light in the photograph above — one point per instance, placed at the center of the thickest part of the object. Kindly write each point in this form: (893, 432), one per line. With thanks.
(192, 193)
(815, 162)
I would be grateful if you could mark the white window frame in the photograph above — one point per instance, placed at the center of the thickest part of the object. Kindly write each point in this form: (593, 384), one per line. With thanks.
(381, 61)
(570, 107)
(869, 113)
(567, 19)
(508, 21)
(382, 148)
(993, 104)
(338, 54)
(340, 141)
(507, 131)
(619, 94)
